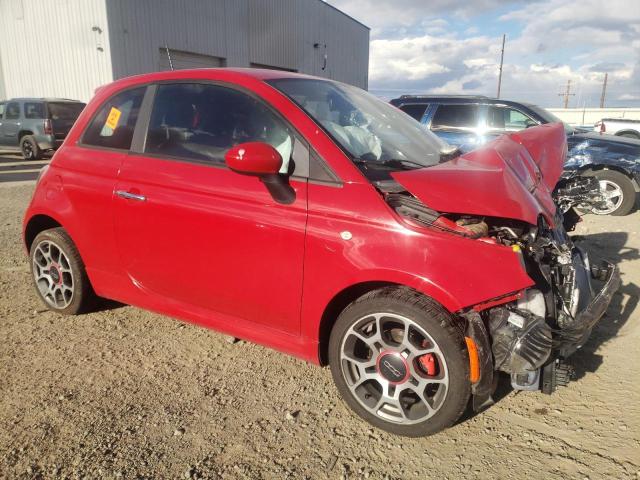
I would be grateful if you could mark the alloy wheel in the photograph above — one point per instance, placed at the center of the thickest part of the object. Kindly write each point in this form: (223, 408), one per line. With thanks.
(394, 368)
(53, 274)
(613, 195)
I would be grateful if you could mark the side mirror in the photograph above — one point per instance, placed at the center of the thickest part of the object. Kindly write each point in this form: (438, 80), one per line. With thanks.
(261, 160)
(253, 158)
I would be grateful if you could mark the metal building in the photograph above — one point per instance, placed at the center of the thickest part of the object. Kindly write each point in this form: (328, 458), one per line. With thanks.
(68, 48)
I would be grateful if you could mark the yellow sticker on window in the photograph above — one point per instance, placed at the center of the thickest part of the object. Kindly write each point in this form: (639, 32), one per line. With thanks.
(113, 118)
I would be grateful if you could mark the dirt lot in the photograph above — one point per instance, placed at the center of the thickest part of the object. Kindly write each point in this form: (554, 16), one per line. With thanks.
(127, 393)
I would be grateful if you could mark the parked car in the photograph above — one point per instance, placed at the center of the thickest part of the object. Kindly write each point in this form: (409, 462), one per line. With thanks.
(316, 219)
(622, 127)
(470, 121)
(34, 126)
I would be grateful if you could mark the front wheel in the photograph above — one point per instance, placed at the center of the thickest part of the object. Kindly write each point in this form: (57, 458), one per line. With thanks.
(59, 274)
(400, 363)
(618, 192)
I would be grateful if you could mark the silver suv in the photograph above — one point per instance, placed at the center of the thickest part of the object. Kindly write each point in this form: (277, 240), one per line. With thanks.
(36, 125)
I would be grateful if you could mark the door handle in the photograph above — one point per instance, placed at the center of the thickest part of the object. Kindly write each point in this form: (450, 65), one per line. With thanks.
(130, 196)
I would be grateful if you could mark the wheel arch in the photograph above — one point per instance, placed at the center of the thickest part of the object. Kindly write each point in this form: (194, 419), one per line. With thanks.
(23, 133)
(621, 133)
(342, 299)
(37, 224)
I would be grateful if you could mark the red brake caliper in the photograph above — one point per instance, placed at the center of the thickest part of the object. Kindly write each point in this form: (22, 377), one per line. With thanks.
(428, 363)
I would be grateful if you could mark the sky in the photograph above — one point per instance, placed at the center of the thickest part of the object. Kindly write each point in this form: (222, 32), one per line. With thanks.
(453, 47)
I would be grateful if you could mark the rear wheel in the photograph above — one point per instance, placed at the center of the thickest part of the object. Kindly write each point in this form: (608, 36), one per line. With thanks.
(29, 148)
(618, 190)
(59, 274)
(400, 363)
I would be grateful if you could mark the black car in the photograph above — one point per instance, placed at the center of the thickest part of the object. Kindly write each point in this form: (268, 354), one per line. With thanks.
(470, 121)
(36, 125)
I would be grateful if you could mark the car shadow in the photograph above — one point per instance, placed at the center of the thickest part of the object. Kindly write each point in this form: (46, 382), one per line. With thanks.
(612, 247)
(104, 304)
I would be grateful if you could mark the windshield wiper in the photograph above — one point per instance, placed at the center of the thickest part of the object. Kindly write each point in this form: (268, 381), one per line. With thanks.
(391, 163)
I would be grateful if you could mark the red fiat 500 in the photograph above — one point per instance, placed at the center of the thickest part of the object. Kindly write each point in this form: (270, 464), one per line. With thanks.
(309, 216)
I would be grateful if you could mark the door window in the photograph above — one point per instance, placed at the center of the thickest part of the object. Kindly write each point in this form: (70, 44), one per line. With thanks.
(33, 110)
(114, 123)
(201, 122)
(509, 119)
(414, 110)
(13, 111)
(455, 117)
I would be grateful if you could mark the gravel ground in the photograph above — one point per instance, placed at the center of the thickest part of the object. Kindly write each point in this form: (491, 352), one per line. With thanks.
(124, 393)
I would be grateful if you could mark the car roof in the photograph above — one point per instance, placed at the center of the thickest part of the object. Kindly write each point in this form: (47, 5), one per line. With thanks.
(407, 99)
(42, 99)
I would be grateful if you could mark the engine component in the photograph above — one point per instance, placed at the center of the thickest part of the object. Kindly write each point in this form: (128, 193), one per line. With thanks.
(532, 301)
(556, 374)
(475, 225)
(521, 341)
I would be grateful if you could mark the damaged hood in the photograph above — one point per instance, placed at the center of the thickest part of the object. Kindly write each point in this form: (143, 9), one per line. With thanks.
(511, 177)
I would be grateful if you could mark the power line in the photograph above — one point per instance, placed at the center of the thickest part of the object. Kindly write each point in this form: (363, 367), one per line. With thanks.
(567, 94)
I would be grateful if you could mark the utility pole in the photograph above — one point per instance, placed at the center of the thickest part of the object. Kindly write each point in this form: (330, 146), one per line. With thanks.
(504, 37)
(567, 94)
(604, 90)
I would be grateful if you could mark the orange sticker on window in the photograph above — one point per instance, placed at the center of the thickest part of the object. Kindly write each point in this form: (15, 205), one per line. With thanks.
(113, 118)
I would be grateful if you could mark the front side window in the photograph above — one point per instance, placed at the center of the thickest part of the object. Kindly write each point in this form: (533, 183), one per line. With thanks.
(113, 125)
(455, 117)
(375, 134)
(202, 121)
(509, 119)
(34, 110)
(13, 111)
(414, 110)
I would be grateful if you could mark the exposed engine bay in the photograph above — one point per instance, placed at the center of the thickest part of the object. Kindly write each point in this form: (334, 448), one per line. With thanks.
(528, 334)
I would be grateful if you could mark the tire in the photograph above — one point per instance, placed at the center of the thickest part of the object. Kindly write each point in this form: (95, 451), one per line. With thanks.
(59, 274)
(29, 148)
(615, 182)
(429, 326)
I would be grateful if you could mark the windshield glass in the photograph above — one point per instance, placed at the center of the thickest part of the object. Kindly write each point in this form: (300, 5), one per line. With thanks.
(549, 117)
(65, 110)
(374, 133)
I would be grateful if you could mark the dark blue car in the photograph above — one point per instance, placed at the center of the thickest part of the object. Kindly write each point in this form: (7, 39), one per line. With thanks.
(470, 121)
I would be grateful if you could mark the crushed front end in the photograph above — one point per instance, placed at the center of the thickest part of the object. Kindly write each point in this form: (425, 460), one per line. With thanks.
(531, 335)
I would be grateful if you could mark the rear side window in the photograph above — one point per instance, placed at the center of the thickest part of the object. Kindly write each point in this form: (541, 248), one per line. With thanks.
(201, 122)
(455, 116)
(34, 110)
(13, 111)
(414, 110)
(113, 125)
(65, 110)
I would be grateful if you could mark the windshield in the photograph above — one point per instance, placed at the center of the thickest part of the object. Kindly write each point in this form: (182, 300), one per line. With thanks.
(374, 133)
(65, 110)
(549, 117)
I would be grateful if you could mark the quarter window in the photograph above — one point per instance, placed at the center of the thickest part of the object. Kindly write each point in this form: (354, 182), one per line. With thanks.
(113, 126)
(510, 119)
(414, 110)
(455, 116)
(33, 110)
(13, 111)
(201, 122)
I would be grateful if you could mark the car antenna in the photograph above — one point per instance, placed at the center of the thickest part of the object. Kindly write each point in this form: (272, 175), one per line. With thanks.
(166, 47)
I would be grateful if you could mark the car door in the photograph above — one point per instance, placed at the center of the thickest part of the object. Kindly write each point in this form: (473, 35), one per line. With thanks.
(10, 125)
(458, 124)
(197, 236)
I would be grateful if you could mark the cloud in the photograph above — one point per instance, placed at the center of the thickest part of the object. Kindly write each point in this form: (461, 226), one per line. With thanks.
(418, 48)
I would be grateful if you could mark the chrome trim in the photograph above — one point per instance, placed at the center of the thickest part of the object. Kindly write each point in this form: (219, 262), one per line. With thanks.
(130, 196)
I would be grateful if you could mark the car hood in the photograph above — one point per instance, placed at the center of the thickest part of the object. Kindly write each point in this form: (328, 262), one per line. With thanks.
(511, 177)
(604, 139)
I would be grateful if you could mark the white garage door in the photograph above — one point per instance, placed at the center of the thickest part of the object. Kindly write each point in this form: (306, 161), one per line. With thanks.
(183, 60)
